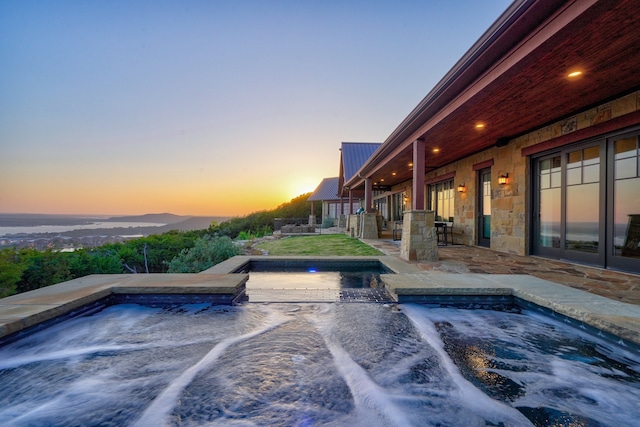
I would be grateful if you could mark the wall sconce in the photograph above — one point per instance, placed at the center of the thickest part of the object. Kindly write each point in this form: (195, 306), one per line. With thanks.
(462, 188)
(503, 179)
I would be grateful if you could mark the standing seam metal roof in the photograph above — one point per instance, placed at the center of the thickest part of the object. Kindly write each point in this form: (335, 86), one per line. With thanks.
(354, 155)
(326, 190)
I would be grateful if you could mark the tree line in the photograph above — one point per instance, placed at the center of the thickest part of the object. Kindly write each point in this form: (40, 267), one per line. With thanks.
(26, 269)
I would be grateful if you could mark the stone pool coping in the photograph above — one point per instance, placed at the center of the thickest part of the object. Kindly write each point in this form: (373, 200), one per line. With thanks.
(28, 309)
(237, 263)
(614, 317)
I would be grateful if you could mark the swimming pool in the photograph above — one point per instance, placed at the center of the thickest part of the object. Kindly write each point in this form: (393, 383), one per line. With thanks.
(307, 279)
(316, 364)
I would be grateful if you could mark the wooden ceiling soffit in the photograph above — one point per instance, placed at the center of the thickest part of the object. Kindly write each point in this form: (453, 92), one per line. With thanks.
(439, 178)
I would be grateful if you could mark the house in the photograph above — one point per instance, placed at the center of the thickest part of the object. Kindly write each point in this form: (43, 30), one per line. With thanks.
(352, 156)
(338, 201)
(333, 206)
(528, 145)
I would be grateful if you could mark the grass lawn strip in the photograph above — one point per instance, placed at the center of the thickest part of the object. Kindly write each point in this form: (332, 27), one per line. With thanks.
(330, 244)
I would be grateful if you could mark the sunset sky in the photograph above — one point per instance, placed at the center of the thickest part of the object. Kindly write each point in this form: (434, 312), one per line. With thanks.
(208, 107)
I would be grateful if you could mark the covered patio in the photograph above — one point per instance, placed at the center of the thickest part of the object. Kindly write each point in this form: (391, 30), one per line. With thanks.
(544, 77)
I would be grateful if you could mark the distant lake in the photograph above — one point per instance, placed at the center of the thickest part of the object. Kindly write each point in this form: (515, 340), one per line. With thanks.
(6, 231)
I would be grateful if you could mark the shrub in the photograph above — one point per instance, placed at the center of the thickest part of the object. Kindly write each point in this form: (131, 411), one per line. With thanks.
(327, 222)
(11, 269)
(206, 252)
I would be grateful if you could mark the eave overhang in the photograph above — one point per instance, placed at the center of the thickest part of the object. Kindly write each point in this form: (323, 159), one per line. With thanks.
(513, 80)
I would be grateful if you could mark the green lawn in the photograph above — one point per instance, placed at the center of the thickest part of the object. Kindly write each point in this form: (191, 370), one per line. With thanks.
(323, 245)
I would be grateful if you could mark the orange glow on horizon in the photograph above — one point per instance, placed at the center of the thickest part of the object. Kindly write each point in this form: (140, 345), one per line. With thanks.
(115, 196)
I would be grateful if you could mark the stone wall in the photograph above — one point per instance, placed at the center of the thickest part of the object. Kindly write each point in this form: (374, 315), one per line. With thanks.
(297, 229)
(353, 225)
(369, 224)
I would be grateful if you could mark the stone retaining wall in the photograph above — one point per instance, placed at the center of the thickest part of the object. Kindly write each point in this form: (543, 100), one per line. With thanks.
(297, 229)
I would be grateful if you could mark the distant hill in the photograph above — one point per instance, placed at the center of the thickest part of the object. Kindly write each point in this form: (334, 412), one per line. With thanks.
(193, 223)
(161, 218)
(31, 220)
(166, 222)
(184, 223)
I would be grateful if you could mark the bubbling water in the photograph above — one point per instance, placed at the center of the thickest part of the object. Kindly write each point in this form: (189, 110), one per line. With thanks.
(315, 364)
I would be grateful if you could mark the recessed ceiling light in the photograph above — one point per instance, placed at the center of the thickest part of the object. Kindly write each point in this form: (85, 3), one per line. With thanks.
(381, 179)
(393, 173)
(410, 165)
(574, 74)
(436, 150)
(480, 125)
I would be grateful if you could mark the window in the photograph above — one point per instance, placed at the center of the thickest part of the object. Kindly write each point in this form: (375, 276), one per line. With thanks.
(380, 205)
(441, 197)
(399, 206)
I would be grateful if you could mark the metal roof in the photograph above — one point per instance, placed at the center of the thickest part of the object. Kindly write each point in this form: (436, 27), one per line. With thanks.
(326, 190)
(354, 155)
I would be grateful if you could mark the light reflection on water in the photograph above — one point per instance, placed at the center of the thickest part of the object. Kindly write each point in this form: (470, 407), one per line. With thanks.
(312, 280)
(315, 364)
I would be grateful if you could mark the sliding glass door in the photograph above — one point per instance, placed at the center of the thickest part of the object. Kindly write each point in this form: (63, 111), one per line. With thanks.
(583, 202)
(624, 203)
(549, 206)
(586, 203)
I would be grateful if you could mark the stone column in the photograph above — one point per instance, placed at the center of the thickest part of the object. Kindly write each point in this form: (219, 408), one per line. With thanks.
(312, 217)
(369, 226)
(353, 225)
(419, 240)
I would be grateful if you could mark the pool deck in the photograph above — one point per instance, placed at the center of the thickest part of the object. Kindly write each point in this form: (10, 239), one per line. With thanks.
(602, 299)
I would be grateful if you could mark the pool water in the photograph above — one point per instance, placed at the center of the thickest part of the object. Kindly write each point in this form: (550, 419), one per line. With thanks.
(316, 364)
(315, 281)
